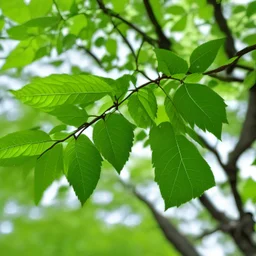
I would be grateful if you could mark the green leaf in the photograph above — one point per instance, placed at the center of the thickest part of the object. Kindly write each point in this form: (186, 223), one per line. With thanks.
(248, 190)
(24, 143)
(16, 10)
(204, 55)
(48, 168)
(84, 165)
(16, 161)
(20, 32)
(77, 23)
(113, 136)
(121, 86)
(111, 46)
(58, 128)
(57, 90)
(42, 22)
(176, 10)
(200, 105)
(178, 123)
(180, 25)
(39, 8)
(250, 79)
(180, 171)
(69, 114)
(174, 116)
(250, 39)
(64, 5)
(2, 23)
(169, 63)
(142, 107)
(251, 9)
(21, 56)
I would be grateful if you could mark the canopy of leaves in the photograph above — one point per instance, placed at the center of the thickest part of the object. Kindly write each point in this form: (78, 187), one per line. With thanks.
(92, 93)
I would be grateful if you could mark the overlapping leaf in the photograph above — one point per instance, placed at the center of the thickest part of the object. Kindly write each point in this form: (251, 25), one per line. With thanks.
(69, 114)
(57, 90)
(169, 63)
(84, 165)
(48, 168)
(142, 107)
(24, 143)
(113, 137)
(180, 170)
(200, 105)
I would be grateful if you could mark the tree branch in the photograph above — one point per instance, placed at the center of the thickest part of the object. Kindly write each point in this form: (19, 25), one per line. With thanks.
(181, 243)
(97, 60)
(111, 13)
(223, 25)
(214, 212)
(238, 55)
(163, 41)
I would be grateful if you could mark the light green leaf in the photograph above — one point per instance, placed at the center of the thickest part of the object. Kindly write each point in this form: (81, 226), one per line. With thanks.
(77, 23)
(204, 55)
(250, 39)
(193, 78)
(69, 114)
(64, 5)
(39, 8)
(180, 25)
(119, 6)
(169, 63)
(121, 86)
(113, 136)
(22, 55)
(250, 79)
(200, 105)
(111, 46)
(84, 165)
(180, 171)
(248, 190)
(24, 143)
(48, 168)
(176, 10)
(251, 9)
(2, 22)
(16, 161)
(58, 128)
(142, 107)
(16, 10)
(57, 90)
(20, 32)
(42, 22)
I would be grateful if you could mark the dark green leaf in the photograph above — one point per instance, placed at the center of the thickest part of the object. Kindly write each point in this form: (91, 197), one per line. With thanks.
(142, 107)
(180, 171)
(84, 165)
(69, 114)
(169, 63)
(200, 105)
(204, 55)
(48, 168)
(114, 137)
